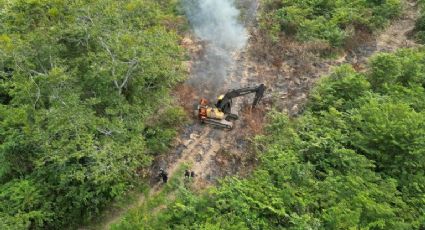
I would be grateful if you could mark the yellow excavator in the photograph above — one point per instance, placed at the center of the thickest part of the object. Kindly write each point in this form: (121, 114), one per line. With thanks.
(220, 115)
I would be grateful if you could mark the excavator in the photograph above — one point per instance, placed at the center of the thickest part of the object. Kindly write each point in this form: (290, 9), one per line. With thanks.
(220, 115)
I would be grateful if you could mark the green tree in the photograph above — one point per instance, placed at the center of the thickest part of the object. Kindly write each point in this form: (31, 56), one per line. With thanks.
(79, 81)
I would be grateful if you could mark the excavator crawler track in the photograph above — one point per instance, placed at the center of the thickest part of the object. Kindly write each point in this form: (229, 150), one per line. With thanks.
(220, 124)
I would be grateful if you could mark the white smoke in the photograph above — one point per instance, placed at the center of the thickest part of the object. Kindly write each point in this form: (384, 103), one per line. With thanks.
(216, 22)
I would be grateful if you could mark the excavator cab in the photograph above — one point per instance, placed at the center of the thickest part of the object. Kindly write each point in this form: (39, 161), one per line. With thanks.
(224, 107)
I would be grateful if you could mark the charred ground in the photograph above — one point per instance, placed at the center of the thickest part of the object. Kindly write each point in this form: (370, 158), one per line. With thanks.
(288, 68)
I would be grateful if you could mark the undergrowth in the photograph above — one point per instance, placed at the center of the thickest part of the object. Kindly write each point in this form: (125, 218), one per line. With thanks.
(332, 21)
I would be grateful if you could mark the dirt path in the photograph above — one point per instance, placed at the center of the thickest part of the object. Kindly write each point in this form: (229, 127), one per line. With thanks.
(199, 146)
(295, 69)
(213, 153)
(397, 35)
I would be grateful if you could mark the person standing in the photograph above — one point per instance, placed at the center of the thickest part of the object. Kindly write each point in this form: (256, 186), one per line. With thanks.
(186, 173)
(163, 175)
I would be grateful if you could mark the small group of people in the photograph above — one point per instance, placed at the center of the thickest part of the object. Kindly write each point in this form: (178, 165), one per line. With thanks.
(163, 175)
(189, 174)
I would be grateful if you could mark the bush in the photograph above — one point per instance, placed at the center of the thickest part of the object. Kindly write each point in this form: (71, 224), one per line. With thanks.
(22, 205)
(420, 24)
(160, 133)
(339, 90)
(326, 20)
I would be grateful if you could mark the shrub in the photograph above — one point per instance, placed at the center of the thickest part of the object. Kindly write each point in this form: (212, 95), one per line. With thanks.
(327, 20)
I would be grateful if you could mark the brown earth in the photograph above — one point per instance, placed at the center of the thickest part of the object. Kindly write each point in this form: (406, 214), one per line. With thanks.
(289, 70)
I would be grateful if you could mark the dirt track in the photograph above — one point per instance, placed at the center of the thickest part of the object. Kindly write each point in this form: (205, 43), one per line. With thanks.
(290, 72)
(214, 153)
(294, 71)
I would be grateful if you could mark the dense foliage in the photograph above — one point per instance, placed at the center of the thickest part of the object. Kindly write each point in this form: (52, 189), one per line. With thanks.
(79, 82)
(332, 21)
(420, 23)
(354, 160)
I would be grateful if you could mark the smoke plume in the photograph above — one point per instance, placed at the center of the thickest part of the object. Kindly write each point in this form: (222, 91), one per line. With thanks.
(216, 23)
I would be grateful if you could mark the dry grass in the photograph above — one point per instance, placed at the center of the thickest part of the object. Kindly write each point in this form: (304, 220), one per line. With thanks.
(186, 96)
(361, 36)
(254, 119)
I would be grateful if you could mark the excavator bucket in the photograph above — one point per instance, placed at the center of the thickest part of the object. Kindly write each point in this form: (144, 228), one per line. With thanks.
(259, 95)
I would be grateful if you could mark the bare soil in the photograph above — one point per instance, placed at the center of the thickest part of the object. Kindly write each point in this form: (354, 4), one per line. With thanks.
(289, 70)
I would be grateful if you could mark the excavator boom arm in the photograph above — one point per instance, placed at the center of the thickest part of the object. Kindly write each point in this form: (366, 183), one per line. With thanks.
(225, 101)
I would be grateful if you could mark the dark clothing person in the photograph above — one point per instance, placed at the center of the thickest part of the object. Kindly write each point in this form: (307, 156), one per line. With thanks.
(192, 174)
(164, 175)
(186, 173)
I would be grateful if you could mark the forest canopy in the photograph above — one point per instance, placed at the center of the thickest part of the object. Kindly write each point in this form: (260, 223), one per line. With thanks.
(79, 83)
